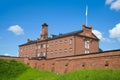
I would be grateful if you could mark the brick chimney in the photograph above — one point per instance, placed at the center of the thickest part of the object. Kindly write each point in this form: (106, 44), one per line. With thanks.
(44, 34)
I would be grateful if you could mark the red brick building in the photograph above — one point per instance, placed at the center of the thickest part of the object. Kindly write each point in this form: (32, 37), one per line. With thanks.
(73, 43)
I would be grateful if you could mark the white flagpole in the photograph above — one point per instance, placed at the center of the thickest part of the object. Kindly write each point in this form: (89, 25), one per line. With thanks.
(86, 14)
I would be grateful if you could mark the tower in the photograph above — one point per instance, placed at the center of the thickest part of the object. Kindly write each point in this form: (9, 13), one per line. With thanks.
(44, 34)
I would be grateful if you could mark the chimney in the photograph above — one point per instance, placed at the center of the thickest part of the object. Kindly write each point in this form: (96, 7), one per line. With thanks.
(44, 34)
(28, 40)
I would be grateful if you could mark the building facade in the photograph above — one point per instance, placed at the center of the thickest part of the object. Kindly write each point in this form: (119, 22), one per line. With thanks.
(62, 45)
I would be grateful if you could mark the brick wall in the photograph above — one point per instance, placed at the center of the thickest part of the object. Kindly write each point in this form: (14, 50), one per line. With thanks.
(107, 59)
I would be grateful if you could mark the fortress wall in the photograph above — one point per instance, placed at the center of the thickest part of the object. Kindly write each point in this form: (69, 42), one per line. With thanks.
(102, 60)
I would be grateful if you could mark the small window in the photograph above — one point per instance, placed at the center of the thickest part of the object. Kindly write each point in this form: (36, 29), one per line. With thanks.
(44, 54)
(70, 50)
(51, 52)
(41, 45)
(65, 41)
(87, 51)
(55, 51)
(87, 44)
(65, 50)
(60, 41)
(38, 55)
(44, 46)
(47, 45)
(60, 50)
(38, 47)
(70, 41)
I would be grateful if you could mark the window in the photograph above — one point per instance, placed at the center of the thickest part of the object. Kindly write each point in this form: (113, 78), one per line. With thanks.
(47, 52)
(44, 54)
(38, 47)
(70, 50)
(70, 41)
(41, 45)
(65, 50)
(60, 50)
(87, 51)
(55, 51)
(60, 41)
(87, 44)
(47, 45)
(44, 46)
(38, 55)
(65, 41)
(51, 52)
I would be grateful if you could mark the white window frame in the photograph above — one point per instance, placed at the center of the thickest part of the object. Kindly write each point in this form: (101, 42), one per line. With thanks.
(38, 55)
(38, 47)
(44, 54)
(87, 44)
(44, 46)
(87, 51)
(65, 50)
(70, 41)
(70, 50)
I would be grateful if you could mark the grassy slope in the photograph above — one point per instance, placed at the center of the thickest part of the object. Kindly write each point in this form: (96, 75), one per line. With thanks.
(34, 74)
(14, 70)
(10, 69)
(103, 74)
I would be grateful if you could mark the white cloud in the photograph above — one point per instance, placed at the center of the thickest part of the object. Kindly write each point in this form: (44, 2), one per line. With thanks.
(6, 54)
(114, 4)
(115, 32)
(100, 36)
(16, 29)
(109, 1)
(97, 33)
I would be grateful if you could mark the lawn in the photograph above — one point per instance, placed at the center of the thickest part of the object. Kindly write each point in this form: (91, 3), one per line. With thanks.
(15, 70)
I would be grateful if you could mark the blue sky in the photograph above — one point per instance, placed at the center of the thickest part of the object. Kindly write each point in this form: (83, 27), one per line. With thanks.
(22, 19)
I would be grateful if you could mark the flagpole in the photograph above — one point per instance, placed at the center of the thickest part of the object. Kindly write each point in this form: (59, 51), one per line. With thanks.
(86, 15)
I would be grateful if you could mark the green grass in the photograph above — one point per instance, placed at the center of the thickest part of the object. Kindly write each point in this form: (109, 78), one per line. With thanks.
(10, 69)
(14, 70)
(34, 74)
(100, 74)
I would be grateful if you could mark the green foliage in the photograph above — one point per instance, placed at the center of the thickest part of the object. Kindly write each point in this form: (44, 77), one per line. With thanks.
(9, 69)
(15, 70)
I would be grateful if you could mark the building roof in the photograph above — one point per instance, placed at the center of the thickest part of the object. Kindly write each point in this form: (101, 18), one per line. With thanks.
(55, 37)
(66, 34)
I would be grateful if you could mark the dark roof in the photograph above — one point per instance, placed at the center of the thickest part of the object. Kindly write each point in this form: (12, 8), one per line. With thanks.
(54, 37)
(66, 34)
(30, 42)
